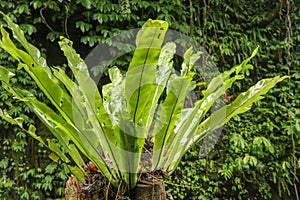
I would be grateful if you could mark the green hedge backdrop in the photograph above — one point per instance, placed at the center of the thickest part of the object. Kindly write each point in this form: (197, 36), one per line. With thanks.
(257, 156)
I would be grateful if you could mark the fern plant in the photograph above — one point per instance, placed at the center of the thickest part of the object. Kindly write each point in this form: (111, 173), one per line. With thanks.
(141, 107)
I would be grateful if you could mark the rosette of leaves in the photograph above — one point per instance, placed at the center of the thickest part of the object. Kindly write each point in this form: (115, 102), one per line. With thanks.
(144, 105)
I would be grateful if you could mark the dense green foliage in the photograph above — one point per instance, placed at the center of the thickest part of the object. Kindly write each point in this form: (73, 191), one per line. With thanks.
(263, 139)
(132, 111)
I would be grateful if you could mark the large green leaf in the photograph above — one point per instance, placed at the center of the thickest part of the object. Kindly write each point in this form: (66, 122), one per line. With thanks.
(48, 84)
(63, 139)
(192, 118)
(140, 86)
(163, 74)
(88, 96)
(85, 141)
(140, 78)
(34, 53)
(218, 81)
(169, 113)
(129, 147)
(217, 119)
(59, 97)
(240, 105)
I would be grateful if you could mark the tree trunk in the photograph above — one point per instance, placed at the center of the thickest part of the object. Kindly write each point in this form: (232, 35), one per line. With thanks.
(98, 188)
(145, 190)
